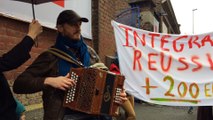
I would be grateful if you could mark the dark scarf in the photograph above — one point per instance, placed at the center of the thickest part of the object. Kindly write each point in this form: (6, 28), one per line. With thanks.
(64, 43)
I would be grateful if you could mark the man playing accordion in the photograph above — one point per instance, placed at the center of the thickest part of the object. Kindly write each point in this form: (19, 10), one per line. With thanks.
(50, 73)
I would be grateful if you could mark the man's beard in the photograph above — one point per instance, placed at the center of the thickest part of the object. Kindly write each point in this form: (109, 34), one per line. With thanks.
(73, 39)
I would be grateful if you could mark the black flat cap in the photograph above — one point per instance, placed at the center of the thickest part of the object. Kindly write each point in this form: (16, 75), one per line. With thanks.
(70, 17)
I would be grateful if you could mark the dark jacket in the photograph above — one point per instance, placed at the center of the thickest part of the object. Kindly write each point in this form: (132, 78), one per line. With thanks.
(204, 113)
(32, 80)
(11, 60)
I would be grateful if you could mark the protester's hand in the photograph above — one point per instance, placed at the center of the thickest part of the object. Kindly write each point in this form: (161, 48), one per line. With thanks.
(121, 98)
(35, 29)
(61, 82)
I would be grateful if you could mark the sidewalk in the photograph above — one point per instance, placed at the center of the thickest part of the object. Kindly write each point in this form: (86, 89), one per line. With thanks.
(34, 112)
(158, 112)
(143, 112)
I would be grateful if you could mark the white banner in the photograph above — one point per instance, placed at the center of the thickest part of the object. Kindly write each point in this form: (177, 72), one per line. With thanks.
(166, 69)
(47, 13)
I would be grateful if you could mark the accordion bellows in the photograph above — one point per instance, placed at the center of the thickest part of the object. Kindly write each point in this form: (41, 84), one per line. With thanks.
(95, 91)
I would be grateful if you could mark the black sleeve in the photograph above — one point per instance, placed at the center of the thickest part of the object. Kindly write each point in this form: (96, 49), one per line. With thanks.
(32, 79)
(17, 55)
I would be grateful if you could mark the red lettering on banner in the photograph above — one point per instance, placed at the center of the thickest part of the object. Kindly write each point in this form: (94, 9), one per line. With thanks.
(210, 60)
(142, 39)
(182, 60)
(207, 38)
(151, 61)
(165, 62)
(193, 40)
(153, 35)
(162, 61)
(127, 29)
(181, 45)
(151, 38)
(163, 41)
(199, 66)
(136, 60)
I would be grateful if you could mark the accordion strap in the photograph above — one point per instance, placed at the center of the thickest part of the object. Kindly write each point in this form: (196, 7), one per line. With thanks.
(64, 56)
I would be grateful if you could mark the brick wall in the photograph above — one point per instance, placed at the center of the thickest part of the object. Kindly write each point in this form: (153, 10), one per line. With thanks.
(121, 5)
(108, 9)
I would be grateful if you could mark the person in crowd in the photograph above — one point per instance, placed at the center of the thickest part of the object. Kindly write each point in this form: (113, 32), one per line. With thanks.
(11, 60)
(50, 73)
(128, 105)
(20, 110)
(204, 113)
(147, 26)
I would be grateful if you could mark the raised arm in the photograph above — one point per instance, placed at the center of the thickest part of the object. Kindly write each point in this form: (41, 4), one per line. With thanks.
(20, 53)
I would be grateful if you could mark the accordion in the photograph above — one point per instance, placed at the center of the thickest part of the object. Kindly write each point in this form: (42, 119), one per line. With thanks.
(95, 92)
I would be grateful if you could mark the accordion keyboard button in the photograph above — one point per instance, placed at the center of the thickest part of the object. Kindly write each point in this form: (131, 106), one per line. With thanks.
(117, 95)
(71, 91)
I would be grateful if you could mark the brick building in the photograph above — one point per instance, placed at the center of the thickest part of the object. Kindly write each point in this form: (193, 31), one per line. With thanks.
(159, 14)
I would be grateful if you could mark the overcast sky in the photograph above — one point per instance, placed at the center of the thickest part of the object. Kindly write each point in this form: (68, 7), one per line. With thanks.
(203, 16)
